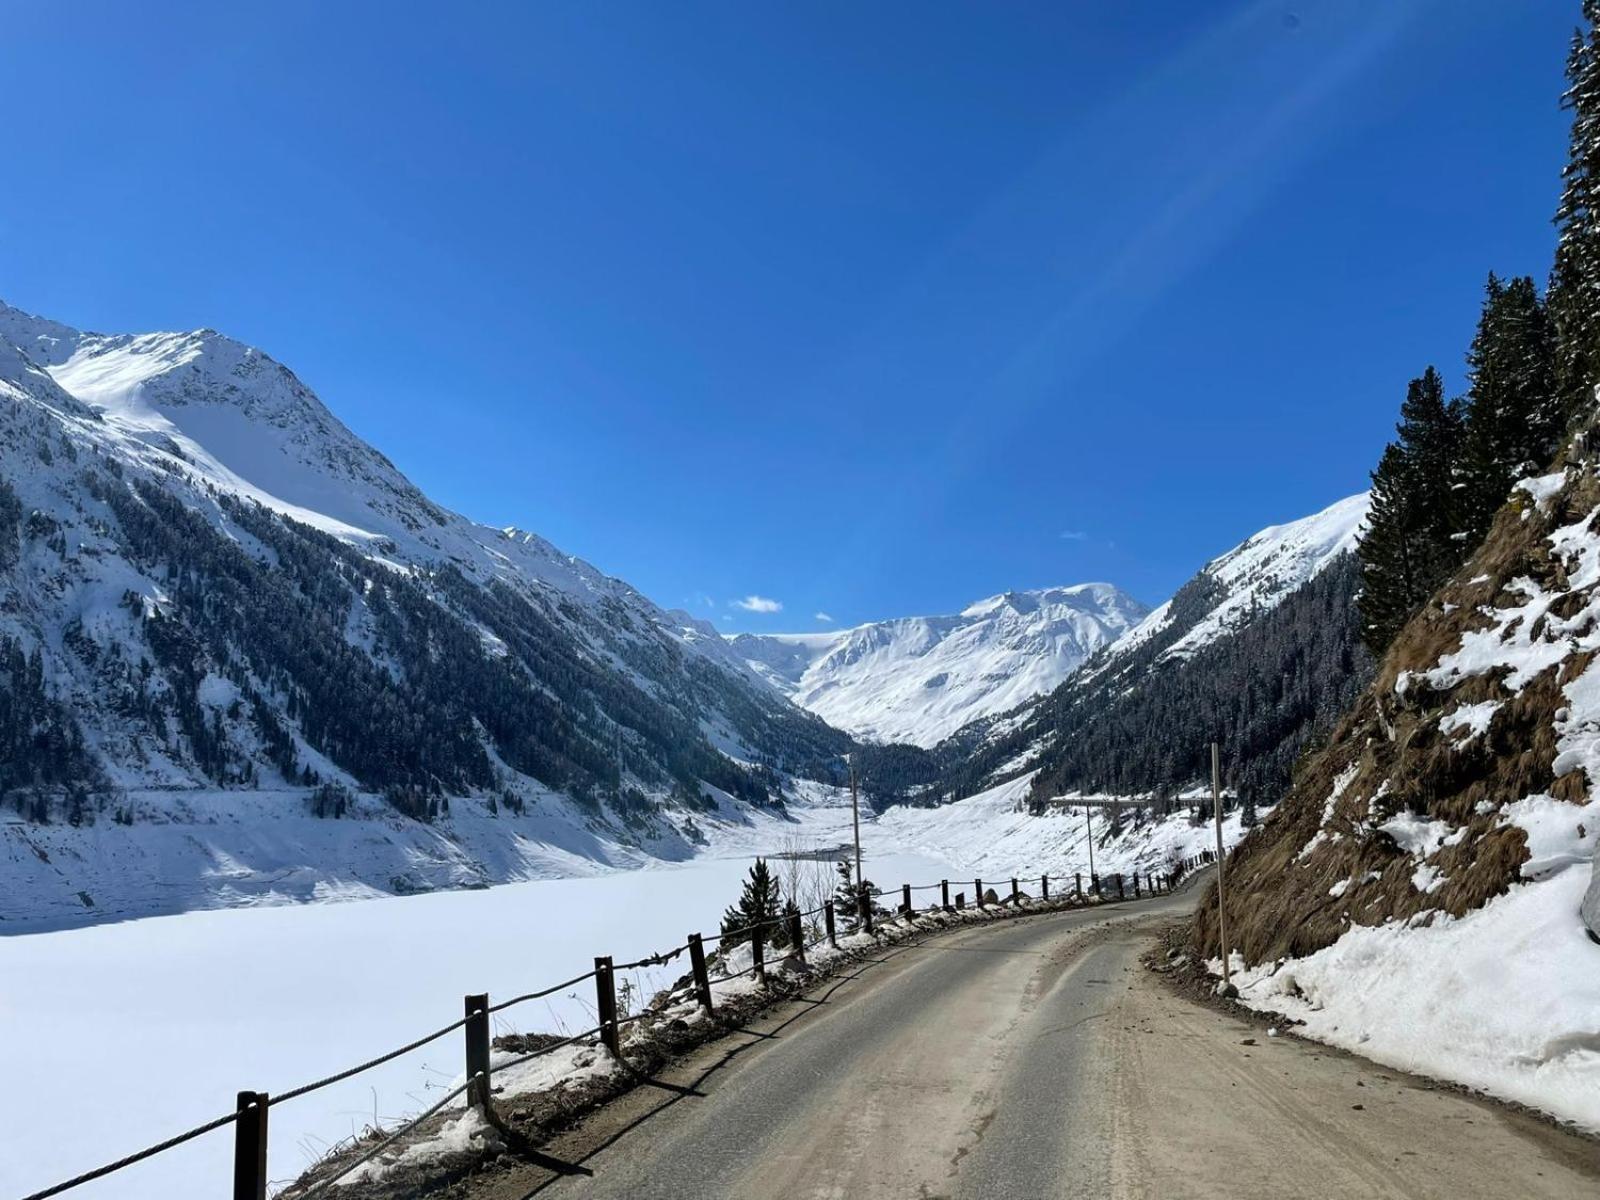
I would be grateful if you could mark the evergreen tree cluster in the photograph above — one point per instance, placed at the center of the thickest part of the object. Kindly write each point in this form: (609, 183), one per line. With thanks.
(42, 755)
(1531, 370)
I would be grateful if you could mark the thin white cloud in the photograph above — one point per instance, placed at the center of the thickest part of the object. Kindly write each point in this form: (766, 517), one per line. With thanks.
(1074, 535)
(825, 618)
(759, 604)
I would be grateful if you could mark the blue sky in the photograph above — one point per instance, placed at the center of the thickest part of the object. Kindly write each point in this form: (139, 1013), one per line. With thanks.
(867, 309)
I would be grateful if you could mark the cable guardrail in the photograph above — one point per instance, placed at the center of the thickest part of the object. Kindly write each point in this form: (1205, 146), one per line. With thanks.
(542, 993)
(359, 1068)
(249, 1116)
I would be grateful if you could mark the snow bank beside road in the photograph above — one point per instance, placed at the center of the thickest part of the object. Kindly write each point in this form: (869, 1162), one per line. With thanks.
(1505, 999)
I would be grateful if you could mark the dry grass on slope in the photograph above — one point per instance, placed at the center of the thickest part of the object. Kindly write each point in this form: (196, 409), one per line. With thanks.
(1323, 860)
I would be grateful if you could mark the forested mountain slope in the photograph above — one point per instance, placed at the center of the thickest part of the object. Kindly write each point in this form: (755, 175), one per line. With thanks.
(210, 587)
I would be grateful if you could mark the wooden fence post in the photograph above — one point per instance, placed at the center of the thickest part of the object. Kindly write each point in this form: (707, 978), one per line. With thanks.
(827, 922)
(977, 886)
(961, 900)
(605, 995)
(1136, 885)
(866, 907)
(797, 938)
(1016, 892)
(1044, 887)
(702, 977)
(758, 952)
(250, 1147)
(1077, 886)
(476, 1010)
(1121, 895)
(905, 899)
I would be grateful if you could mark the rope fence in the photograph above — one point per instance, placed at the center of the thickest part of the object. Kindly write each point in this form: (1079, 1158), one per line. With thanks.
(249, 1117)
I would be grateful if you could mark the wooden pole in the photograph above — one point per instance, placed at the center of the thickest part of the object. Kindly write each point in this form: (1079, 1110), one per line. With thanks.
(1044, 887)
(1088, 827)
(702, 978)
(905, 898)
(797, 938)
(1222, 908)
(827, 922)
(605, 1006)
(944, 894)
(250, 1147)
(977, 886)
(476, 1010)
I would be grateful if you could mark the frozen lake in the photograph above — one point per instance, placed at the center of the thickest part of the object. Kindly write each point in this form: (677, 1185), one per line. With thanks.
(145, 1028)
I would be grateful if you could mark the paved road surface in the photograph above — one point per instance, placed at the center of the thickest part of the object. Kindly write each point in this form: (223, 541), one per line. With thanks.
(1032, 1059)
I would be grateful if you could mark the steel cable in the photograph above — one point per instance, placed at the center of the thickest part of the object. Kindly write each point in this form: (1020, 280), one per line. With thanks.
(549, 991)
(138, 1156)
(295, 1093)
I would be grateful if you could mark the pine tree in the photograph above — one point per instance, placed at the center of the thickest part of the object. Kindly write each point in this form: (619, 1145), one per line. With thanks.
(1574, 292)
(1414, 534)
(1514, 420)
(759, 904)
(847, 896)
(1388, 551)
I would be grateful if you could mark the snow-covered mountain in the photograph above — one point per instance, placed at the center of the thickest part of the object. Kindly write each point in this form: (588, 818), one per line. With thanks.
(1238, 587)
(1259, 649)
(919, 679)
(219, 607)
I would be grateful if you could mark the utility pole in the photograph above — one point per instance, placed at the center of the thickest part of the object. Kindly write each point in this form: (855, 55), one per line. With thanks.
(855, 813)
(1088, 827)
(1216, 812)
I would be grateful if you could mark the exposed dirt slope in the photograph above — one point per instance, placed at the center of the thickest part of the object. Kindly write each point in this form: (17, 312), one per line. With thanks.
(1465, 764)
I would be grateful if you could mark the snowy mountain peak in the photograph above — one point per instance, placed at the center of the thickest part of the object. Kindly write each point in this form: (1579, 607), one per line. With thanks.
(1253, 577)
(44, 341)
(919, 679)
(1085, 597)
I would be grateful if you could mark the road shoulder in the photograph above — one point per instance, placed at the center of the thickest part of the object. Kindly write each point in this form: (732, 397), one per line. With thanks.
(1207, 1100)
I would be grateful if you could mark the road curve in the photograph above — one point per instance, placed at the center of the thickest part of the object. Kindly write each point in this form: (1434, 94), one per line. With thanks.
(1036, 1058)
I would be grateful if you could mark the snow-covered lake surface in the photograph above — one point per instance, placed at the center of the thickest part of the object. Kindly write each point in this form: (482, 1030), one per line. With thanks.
(149, 1027)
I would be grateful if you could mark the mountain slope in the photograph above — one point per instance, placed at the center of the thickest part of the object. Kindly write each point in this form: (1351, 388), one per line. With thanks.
(1419, 890)
(212, 594)
(1259, 649)
(919, 679)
